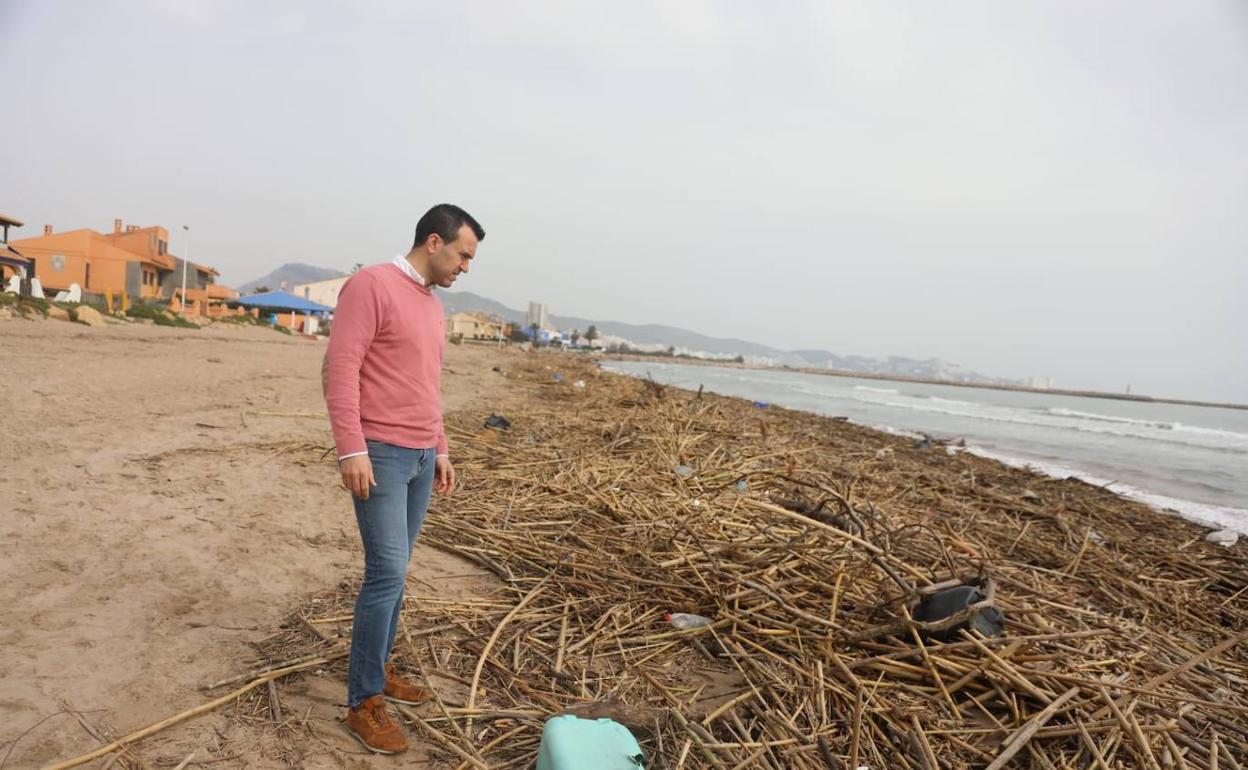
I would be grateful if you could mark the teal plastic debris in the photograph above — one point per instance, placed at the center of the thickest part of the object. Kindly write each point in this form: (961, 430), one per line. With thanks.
(572, 743)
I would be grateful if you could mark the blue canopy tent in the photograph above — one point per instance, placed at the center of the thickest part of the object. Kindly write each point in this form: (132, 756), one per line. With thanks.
(279, 303)
(283, 301)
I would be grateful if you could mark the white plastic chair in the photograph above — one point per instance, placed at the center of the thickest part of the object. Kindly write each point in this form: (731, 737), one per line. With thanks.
(73, 295)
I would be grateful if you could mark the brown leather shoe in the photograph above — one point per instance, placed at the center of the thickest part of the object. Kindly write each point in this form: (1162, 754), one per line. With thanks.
(372, 726)
(401, 690)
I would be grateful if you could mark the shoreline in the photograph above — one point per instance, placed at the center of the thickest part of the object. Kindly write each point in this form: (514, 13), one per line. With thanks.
(1214, 516)
(1192, 511)
(926, 381)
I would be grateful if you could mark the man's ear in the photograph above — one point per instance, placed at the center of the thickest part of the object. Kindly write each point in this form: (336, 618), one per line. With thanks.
(433, 243)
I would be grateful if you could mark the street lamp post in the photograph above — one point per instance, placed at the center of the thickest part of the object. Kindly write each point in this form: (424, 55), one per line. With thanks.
(186, 257)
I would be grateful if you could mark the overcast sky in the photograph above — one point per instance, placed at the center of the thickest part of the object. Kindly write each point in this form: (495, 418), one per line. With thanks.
(1045, 188)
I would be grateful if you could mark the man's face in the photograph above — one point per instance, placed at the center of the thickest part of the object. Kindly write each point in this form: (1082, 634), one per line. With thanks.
(447, 259)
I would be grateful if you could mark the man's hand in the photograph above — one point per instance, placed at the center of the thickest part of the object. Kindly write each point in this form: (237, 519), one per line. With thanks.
(357, 475)
(443, 475)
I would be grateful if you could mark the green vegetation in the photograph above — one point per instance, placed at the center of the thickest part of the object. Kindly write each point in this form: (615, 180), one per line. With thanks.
(30, 306)
(245, 319)
(625, 349)
(25, 306)
(161, 316)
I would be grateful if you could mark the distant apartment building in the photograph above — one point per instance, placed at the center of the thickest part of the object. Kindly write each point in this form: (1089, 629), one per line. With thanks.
(537, 316)
(322, 292)
(131, 259)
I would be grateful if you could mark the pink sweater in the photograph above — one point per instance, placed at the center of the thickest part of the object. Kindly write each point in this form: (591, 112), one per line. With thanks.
(384, 365)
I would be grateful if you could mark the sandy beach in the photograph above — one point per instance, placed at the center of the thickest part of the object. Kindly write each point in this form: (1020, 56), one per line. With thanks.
(171, 507)
(167, 503)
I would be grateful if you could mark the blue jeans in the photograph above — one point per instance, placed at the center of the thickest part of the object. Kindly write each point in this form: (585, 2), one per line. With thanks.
(389, 521)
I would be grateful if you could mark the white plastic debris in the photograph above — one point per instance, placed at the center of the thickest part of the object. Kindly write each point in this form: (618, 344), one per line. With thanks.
(1223, 537)
(685, 620)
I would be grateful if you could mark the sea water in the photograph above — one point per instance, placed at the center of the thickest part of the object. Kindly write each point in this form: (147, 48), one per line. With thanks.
(1190, 460)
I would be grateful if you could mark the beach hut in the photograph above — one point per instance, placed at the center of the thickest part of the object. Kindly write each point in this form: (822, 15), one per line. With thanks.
(285, 309)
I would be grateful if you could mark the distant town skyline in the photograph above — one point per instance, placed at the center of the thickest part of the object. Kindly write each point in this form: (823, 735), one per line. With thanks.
(1043, 189)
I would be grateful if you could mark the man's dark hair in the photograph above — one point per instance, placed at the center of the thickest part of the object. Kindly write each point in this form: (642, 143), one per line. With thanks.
(445, 219)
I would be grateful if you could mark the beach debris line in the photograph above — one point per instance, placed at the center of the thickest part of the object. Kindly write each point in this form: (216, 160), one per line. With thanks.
(1123, 640)
(813, 602)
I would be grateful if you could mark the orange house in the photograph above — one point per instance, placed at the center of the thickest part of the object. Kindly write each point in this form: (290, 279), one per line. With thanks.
(131, 259)
(209, 301)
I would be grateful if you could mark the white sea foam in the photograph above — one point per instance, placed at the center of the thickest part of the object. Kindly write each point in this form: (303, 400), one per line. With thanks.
(1204, 514)
(870, 389)
(1202, 438)
(1061, 412)
(1234, 435)
(950, 401)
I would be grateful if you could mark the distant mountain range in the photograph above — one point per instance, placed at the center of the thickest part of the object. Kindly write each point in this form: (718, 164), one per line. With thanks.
(672, 336)
(651, 335)
(289, 275)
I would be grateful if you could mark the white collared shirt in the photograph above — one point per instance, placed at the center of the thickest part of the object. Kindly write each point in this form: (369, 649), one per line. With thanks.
(408, 270)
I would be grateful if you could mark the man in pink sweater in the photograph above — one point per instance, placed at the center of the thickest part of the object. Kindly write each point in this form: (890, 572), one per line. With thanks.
(382, 377)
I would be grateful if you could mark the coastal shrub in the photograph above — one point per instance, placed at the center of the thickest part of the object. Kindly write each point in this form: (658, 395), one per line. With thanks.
(161, 316)
(25, 306)
(245, 319)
